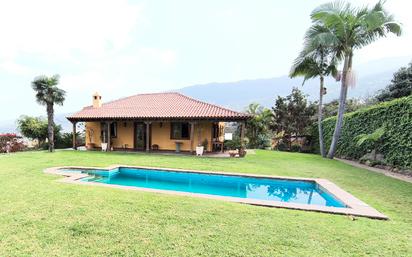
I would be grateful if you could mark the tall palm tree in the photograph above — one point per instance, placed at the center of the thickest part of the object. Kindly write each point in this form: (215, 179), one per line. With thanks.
(48, 94)
(317, 59)
(350, 28)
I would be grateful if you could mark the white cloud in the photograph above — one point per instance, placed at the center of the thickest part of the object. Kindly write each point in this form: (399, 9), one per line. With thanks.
(57, 29)
(111, 72)
(94, 45)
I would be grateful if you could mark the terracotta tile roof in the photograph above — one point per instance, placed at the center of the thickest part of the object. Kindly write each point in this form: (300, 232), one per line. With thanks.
(157, 106)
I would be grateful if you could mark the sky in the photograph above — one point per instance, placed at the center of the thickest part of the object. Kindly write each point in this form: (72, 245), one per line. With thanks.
(121, 48)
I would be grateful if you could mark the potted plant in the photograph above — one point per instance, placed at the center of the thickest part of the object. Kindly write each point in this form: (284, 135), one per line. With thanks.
(242, 152)
(200, 148)
(205, 143)
(104, 145)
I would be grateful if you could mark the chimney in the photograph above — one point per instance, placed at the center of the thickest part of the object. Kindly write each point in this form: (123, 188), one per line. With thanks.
(97, 100)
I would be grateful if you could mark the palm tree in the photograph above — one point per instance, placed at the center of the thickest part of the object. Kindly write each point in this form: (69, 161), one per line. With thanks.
(373, 138)
(48, 94)
(317, 59)
(349, 28)
(258, 126)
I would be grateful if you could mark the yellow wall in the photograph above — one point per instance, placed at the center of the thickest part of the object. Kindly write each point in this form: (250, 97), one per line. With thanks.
(125, 135)
(160, 135)
(93, 133)
(221, 131)
(205, 133)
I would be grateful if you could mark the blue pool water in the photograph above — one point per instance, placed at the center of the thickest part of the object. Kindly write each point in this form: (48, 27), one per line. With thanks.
(303, 192)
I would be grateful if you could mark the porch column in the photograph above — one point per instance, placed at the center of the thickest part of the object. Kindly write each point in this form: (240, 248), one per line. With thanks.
(242, 133)
(109, 147)
(74, 136)
(148, 135)
(192, 135)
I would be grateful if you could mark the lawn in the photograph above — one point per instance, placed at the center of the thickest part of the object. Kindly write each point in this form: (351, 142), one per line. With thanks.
(42, 217)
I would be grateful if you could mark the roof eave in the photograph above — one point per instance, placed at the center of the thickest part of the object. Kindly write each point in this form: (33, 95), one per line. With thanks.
(227, 119)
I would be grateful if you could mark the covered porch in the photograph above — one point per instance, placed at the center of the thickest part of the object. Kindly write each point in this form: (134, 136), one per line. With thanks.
(155, 135)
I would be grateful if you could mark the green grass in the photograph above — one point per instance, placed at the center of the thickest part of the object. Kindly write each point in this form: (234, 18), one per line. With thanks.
(42, 217)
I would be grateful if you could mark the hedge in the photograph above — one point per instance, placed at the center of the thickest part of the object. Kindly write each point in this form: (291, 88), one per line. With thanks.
(397, 140)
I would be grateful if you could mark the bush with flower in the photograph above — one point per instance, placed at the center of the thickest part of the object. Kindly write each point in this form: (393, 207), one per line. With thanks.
(10, 142)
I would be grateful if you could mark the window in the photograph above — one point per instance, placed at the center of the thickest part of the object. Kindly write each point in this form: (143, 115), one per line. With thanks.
(180, 130)
(215, 131)
(113, 129)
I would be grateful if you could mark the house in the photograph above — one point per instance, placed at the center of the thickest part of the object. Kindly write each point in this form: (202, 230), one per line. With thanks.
(159, 121)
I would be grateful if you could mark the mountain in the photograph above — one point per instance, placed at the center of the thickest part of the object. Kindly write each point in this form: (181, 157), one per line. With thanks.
(372, 77)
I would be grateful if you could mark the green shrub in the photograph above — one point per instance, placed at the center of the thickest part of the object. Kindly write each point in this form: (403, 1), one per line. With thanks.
(232, 144)
(65, 140)
(261, 141)
(283, 145)
(396, 142)
(296, 148)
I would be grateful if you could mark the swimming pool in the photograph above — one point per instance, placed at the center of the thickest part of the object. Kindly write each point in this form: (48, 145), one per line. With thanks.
(293, 191)
(309, 194)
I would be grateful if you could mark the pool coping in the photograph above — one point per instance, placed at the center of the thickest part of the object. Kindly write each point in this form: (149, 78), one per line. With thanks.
(355, 207)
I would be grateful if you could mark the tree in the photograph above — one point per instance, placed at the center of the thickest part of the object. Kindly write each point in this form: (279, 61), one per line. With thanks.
(400, 86)
(36, 128)
(257, 128)
(301, 112)
(48, 94)
(293, 114)
(317, 59)
(33, 127)
(348, 28)
(281, 116)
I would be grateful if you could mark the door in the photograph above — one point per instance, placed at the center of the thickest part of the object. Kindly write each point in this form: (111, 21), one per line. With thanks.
(140, 136)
